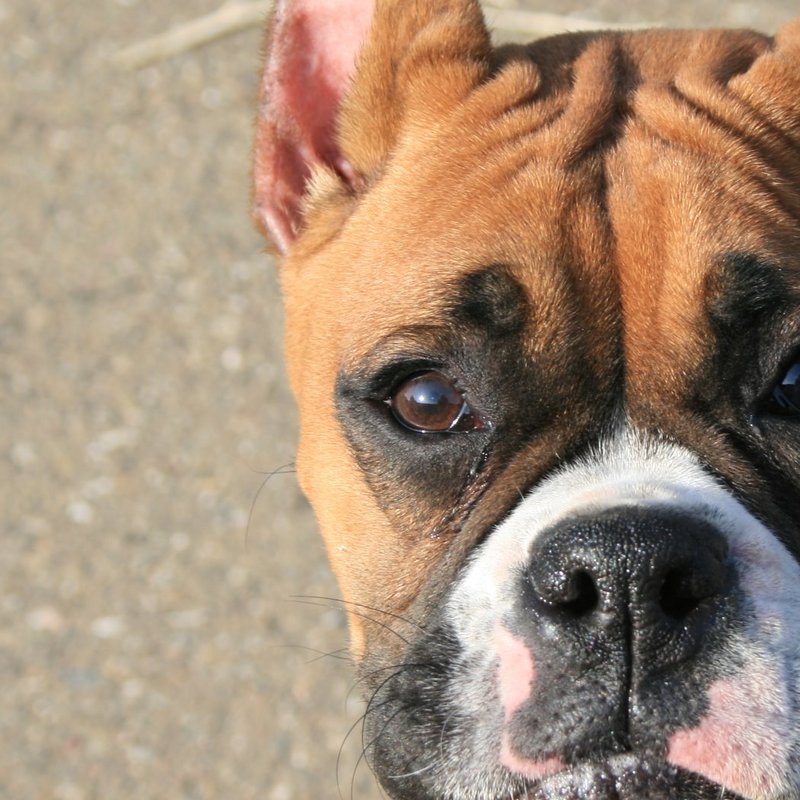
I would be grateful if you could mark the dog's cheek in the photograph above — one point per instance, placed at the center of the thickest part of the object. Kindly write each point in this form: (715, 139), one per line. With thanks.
(378, 572)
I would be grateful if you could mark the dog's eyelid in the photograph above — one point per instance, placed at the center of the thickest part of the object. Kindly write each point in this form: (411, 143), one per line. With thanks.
(397, 355)
(387, 379)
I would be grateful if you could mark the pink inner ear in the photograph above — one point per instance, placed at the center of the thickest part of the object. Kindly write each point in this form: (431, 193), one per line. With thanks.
(312, 54)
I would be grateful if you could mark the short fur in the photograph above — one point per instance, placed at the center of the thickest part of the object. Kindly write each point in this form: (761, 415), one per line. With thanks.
(592, 231)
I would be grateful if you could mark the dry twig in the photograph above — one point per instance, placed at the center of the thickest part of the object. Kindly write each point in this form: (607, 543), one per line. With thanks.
(539, 24)
(232, 17)
(237, 15)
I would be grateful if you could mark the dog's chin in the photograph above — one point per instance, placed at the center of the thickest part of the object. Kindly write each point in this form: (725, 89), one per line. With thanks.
(626, 778)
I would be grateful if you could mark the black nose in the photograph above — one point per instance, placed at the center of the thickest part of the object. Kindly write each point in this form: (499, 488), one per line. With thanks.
(639, 582)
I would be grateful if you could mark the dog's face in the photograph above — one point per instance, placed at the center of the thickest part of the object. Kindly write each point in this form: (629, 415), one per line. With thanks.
(543, 325)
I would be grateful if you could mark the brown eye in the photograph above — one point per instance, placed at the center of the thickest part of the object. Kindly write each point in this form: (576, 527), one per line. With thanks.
(430, 403)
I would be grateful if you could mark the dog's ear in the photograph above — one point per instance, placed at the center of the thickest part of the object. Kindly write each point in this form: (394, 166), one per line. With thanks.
(341, 79)
(772, 84)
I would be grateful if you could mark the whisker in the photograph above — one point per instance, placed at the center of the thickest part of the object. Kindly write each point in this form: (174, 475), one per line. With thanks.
(349, 733)
(399, 667)
(399, 617)
(337, 654)
(285, 469)
(442, 734)
(415, 772)
(341, 654)
(366, 617)
(366, 747)
(370, 707)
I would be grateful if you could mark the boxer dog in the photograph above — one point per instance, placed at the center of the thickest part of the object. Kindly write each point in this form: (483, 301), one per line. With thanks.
(543, 326)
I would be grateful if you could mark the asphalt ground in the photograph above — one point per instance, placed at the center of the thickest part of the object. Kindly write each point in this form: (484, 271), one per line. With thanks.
(150, 645)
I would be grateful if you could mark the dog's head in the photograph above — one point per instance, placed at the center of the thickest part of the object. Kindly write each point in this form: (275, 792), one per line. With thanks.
(543, 325)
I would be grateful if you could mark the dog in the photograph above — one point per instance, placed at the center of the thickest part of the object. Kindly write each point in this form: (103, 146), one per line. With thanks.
(542, 324)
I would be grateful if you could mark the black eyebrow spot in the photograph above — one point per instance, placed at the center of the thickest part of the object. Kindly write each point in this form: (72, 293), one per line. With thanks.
(491, 299)
(744, 288)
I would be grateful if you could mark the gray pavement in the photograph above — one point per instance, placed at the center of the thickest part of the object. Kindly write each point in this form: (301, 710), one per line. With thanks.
(149, 643)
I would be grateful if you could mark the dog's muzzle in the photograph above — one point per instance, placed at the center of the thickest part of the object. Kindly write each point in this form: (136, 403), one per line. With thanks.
(622, 608)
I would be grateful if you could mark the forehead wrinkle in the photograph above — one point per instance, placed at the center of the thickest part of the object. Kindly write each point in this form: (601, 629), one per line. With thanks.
(579, 107)
(692, 121)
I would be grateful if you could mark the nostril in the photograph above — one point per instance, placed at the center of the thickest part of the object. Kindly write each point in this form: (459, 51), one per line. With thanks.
(581, 597)
(572, 594)
(678, 599)
(684, 590)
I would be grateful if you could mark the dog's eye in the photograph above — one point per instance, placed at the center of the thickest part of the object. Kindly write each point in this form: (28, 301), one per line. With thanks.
(430, 403)
(784, 399)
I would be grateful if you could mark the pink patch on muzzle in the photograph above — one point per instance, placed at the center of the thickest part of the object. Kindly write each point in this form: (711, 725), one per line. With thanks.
(739, 743)
(516, 671)
(516, 675)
